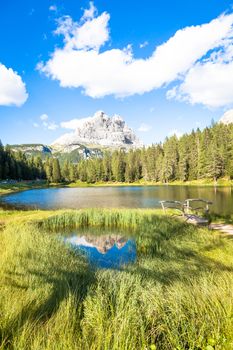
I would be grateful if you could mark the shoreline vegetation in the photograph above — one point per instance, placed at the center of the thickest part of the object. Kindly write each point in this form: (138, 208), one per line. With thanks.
(16, 186)
(7, 187)
(203, 182)
(178, 294)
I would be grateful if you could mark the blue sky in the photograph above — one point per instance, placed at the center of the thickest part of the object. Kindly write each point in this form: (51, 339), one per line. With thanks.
(60, 62)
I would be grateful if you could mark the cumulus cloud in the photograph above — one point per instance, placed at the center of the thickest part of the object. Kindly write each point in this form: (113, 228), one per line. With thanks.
(53, 8)
(46, 123)
(209, 83)
(144, 127)
(92, 34)
(44, 117)
(176, 133)
(81, 64)
(227, 117)
(52, 126)
(90, 13)
(12, 88)
(144, 44)
(73, 124)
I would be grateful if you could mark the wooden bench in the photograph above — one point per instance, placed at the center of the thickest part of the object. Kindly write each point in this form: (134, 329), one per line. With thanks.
(176, 205)
(189, 213)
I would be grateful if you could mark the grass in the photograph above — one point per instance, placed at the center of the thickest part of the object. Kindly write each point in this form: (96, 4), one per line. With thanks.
(55, 219)
(223, 182)
(177, 296)
(6, 188)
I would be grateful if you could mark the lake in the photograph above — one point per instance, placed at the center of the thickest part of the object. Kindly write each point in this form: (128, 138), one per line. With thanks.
(117, 197)
(108, 250)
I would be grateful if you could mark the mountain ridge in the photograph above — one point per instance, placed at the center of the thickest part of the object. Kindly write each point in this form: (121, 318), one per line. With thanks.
(91, 136)
(99, 130)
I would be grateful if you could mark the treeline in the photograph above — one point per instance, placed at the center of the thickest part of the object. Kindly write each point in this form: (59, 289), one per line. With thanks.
(198, 155)
(16, 166)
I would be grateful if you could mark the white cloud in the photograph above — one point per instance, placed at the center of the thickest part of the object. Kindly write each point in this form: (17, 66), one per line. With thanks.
(144, 127)
(90, 13)
(36, 125)
(92, 34)
(209, 83)
(46, 123)
(144, 44)
(53, 8)
(52, 126)
(12, 88)
(80, 63)
(73, 124)
(176, 133)
(227, 117)
(44, 117)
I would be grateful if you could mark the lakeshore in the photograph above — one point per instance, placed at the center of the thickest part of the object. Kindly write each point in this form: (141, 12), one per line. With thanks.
(7, 187)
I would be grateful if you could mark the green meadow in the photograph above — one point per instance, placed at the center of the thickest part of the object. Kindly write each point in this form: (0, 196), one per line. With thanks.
(178, 295)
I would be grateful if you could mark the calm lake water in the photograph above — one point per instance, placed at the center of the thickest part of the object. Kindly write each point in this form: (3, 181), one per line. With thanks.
(117, 197)
(108, 250)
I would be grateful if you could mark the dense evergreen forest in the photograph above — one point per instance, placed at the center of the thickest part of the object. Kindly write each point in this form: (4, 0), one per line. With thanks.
(198, 155)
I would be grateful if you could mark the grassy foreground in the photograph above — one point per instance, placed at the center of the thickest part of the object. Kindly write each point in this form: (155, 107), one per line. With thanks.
(178, 295)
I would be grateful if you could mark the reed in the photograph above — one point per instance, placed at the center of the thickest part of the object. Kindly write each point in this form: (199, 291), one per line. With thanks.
(121, 218)
(177, 296)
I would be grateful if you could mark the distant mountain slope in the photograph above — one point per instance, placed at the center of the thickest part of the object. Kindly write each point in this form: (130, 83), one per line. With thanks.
(73, 155)
(33, 149)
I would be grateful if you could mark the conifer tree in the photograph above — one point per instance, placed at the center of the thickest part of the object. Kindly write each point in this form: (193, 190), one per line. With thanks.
(56, 173)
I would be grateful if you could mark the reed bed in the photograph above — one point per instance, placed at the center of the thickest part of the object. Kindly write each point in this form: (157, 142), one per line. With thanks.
(177, 296)
(116, 218)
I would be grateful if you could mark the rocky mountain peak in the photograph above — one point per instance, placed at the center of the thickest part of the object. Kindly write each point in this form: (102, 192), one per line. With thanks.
(99, 130)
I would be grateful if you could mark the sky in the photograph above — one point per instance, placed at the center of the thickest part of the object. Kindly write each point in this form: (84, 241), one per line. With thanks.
(165, 66)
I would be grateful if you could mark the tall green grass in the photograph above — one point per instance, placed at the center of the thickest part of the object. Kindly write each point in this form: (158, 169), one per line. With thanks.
(130, 218)
(178, 295)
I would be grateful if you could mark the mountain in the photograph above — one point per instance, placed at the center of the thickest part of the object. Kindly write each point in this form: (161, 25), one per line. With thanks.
(73, 155)
(227, 117)
(32, 149)
(101, 243)
(90, 137)
(99, 131)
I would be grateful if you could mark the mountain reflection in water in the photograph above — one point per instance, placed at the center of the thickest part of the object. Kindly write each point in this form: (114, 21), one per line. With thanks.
(107, 251)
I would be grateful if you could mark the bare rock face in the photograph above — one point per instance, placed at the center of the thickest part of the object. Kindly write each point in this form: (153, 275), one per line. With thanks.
(99, 130)
(227, 117)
